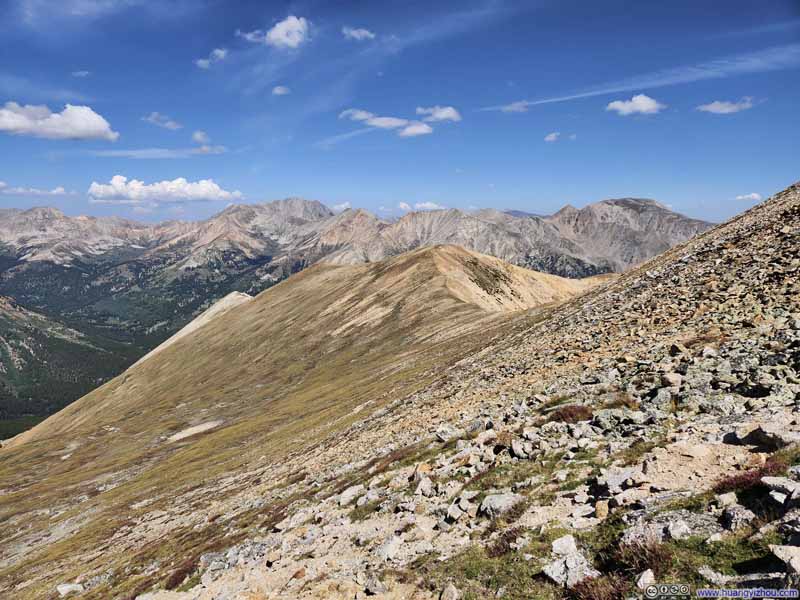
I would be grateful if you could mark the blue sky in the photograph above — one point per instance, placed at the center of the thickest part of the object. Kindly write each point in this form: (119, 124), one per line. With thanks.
(173, 109)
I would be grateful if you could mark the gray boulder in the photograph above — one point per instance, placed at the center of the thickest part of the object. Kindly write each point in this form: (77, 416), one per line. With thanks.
(389, 548)
(495, 505)
(789, 555)
(675, 524)
(772, 437)
(350, 494)
(736, 517)
(67, 589)
(570, 570)
(564, 546)
(450, 592)
(374, 586)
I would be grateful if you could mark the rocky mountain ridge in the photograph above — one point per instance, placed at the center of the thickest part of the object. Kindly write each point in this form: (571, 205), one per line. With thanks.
(133, 285)
(308, 227)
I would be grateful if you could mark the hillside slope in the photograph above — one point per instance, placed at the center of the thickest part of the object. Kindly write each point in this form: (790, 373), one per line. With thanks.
(585, 446)
(263, 381)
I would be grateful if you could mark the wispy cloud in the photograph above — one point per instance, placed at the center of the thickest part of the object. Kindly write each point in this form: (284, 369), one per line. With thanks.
(204, 148)
(429, 206)
(14, 86)
(454, 23)
(415, 128)
(40, 14)
(7, 190)
(163, 121)
(723, 107)
(405, 128)
(81, 74)
(439, 113)
(160, 153)
(215, 56)
(751, 197)
(35, 11)
(776, 27)
(775, 58)
(201, 137)
(341, 207)
(357, 34)
(330, 142)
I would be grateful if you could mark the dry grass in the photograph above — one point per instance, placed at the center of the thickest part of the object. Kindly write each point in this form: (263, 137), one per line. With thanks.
(635, 558)
(605, 587)
(572, 413)
(775, 465)
(502, 545)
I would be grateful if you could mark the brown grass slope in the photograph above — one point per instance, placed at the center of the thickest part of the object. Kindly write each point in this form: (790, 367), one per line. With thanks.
(268, 379)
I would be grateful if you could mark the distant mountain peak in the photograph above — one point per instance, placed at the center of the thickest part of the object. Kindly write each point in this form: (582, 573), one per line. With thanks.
(44, 212)
(635, 203)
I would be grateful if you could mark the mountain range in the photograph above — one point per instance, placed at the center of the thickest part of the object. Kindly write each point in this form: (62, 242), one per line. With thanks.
(437, 424)
(127, 286)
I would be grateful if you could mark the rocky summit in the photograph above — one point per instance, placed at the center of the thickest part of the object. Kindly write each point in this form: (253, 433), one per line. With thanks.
(440, 425)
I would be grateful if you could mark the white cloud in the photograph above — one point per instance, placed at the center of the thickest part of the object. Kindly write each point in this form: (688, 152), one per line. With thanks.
(639, 104)
(207, 149)
(415, 128)
(439, 113)
(329, 142)
(552, 137)
(753, 197)
(7, 190)
(356, 114)
(405, 127)
(520, 106)
(722, 107)
(216, 55)
(281, 90)
(387, 122)
(289, 33)
(121, 190)
(33, 11)
(358, 35)
(73, 123)
(162, 121)
(292, 32)
(429, 206)
(775, 58)
(404, 206)
(341, 207)
(81, 74)
(201, 137)
(161, 153)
